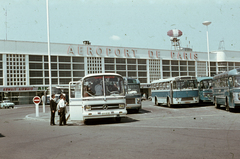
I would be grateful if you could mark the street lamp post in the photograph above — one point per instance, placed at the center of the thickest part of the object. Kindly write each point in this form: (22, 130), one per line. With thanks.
(208, 23)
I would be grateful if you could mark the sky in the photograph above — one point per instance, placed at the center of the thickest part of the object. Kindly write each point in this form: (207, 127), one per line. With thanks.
(124, 23)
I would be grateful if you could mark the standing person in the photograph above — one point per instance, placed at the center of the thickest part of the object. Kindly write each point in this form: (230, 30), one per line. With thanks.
(53, 106)
(62, 107)
(98, 89)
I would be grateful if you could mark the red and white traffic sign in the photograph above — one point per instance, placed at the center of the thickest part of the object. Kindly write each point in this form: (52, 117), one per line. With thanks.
(36, 100)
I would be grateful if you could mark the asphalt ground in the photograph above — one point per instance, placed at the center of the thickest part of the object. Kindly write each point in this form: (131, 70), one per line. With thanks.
(189, 131)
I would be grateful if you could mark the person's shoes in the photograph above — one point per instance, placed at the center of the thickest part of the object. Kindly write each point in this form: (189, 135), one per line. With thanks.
(54, 124)
(60, 125)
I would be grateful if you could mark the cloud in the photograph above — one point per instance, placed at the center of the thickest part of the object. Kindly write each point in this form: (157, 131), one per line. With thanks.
(115, 37)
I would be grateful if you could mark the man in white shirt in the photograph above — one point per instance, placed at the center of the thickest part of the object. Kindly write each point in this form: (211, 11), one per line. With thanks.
(62, 108)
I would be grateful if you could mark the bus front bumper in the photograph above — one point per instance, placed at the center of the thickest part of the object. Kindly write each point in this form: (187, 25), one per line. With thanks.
(134, 106)
(104, 114)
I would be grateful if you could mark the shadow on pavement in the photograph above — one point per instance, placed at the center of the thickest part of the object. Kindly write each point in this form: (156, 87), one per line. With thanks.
(103, 121)
(141, 111)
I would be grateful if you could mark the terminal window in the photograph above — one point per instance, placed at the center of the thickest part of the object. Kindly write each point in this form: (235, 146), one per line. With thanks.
(16, 69)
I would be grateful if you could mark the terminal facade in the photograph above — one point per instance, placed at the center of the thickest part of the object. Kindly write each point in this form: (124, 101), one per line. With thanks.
(24, 71)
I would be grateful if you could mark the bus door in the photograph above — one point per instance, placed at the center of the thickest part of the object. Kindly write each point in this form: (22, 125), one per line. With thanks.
(230, 91)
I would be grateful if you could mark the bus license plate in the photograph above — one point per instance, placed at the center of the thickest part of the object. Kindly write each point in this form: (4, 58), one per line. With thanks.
(105, 113)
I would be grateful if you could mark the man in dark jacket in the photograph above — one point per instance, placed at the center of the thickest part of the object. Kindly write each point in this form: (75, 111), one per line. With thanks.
(53, 106)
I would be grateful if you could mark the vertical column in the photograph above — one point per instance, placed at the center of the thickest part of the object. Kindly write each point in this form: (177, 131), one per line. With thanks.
(206, 68)
(161, 69)
(137, 68)
(4, 63)
(126, 68)
(27, 69)
(148, 72)
(196, 68)
(103, 64)
(85, 66)
(43, 69)
(58, 71)
(71, 68)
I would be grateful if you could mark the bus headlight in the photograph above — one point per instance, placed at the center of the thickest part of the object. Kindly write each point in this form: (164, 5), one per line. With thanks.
(121, 105)
(88, 107)
(138, 101)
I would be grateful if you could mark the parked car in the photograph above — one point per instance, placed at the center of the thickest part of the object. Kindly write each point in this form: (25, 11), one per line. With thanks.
(7, 104)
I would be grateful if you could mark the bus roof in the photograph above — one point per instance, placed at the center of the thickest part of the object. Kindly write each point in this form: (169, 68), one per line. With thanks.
(178, 78)
(233, 72)
(102, 74)
(199, 79)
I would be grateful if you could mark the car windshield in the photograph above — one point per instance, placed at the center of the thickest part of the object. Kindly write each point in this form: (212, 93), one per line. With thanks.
(103, 85)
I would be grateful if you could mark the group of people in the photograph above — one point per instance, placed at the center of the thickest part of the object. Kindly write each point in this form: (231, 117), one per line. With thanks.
(60, 107)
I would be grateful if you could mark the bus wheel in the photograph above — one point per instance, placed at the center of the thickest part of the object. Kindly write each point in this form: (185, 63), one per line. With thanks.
(227, 105)
(156, 102)
(137, 110)
(168, 103)
(85, 122)
(215, 103)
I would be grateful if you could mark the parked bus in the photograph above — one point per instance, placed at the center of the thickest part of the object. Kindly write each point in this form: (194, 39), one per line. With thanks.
(205, 89)
(97, 96)
(175, 90)
(226, 89)
(133, 94)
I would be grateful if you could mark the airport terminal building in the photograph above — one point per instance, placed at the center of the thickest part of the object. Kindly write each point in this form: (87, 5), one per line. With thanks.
(24, 71)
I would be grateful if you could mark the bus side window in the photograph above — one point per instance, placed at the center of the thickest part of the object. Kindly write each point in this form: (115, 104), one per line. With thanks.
(168, 86)
(158, 86)
(231, 81)
(174, 85)
(164, 86)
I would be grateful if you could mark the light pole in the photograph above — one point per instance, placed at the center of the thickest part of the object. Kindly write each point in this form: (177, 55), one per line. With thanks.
(49, 53)
(208, 23)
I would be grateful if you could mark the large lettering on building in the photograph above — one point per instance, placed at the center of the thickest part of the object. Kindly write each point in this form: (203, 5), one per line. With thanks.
(106, 51)
(184, 56)
(153, 53)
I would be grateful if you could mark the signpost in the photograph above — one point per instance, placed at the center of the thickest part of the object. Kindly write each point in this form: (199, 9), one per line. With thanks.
(36, 101)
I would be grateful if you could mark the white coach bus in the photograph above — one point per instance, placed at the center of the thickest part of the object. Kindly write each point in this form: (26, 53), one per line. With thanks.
(97, 96)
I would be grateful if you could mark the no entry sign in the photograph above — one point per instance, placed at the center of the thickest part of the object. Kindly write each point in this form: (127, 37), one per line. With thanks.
(36, 100)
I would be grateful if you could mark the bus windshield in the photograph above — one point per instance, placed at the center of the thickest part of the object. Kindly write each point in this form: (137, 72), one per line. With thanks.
(103, 85)
(206, 84)
(133, 88)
